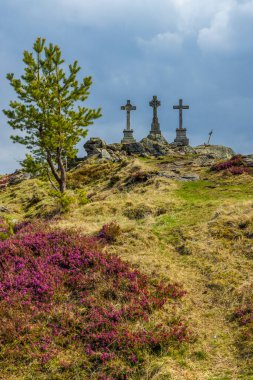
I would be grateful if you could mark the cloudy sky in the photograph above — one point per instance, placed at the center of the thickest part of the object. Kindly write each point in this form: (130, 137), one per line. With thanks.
(200, 50)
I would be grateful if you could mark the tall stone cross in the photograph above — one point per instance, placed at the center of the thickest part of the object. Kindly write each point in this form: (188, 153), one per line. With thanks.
(128, 132)
(155, 127)
(181, 107)
(128, 108)
(181, 138)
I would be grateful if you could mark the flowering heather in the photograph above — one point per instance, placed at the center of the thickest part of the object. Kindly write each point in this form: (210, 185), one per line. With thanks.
(234, 166)
(244, 315)
(109, 232)
(69, 309)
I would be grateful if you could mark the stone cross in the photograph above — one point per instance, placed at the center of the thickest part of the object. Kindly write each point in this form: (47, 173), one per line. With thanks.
(128, 108)
(181, 107)
(155, 103)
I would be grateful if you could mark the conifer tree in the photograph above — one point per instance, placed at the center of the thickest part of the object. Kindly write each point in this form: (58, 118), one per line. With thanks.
(49, 112)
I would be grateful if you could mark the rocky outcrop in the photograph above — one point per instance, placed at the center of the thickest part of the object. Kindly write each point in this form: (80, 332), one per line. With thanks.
(186, 177)
(215, 151)
(248, 160)
(95, 147)
(155, 147)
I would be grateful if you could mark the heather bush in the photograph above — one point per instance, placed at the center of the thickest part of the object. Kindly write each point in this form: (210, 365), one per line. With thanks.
(244, 316)
(237, 170)
(109, 232)
(69, 309)
(234, 166)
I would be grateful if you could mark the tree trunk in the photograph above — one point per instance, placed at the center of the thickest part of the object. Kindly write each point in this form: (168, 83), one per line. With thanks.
(61, 177)
(63, 187)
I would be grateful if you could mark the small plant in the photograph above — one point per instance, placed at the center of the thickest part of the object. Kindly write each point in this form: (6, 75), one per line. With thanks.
(234, 166)
(6, 228)
(138, 212)
(82, 197)
(244, 315)
(63, 201)
(237, 170)
(139, 177)
(109, 232)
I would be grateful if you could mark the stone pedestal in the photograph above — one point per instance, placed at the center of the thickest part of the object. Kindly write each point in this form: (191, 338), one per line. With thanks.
(158, 137)
(128, 137)
(181, 138)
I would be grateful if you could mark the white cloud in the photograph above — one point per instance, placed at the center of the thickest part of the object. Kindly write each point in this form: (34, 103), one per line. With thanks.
(216, 25)
(193, 15)
(229, 30)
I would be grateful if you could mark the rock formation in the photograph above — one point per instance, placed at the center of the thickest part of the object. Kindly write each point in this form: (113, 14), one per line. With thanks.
(97, 148)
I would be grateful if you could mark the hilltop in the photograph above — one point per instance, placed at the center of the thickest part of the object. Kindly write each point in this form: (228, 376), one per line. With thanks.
(185, 217)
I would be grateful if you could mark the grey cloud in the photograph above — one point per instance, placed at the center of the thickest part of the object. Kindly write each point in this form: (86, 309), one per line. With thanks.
(132, 54)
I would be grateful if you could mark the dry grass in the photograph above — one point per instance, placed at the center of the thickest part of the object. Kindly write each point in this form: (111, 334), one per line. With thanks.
(199, 234)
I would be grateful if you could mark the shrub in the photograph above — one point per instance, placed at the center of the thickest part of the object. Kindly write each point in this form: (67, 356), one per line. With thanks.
(139, 212)
(60, 296)
(6, 228)
(63, 200)
(244, 315)
(109, 232)
(235, 165)
(139, 177)
(237, 170)
(82, 197)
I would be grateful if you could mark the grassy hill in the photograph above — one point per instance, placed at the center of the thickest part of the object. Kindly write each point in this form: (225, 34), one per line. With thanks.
(197, 232)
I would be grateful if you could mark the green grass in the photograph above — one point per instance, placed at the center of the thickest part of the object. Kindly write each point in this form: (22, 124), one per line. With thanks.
(199, 200)
(215, 191)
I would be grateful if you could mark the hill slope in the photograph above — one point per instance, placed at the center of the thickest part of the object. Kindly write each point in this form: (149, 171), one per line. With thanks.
(181, 222)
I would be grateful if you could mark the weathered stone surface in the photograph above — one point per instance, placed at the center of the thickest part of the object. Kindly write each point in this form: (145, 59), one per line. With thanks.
(186, 177)
(248, 160)
(94, 145)
(156, 147)
(133, 148)
(215, 151)
(189, 177)
(207, 154)
(114, 147)
(18, 176)
(181, 138)
(182, 149)
(105, 154)
(128, 137)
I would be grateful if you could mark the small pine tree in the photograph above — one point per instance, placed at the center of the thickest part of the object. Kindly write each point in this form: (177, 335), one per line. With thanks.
(47, 111)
